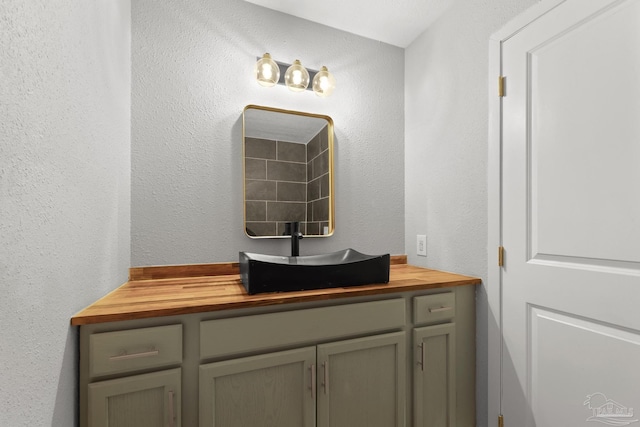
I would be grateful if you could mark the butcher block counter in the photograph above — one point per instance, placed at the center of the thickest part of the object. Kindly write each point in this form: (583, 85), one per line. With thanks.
(159, 291)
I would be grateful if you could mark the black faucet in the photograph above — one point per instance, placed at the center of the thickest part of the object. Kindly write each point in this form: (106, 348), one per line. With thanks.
(293, 229)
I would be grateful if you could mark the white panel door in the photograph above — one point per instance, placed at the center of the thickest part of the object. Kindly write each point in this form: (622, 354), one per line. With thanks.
(571, 217)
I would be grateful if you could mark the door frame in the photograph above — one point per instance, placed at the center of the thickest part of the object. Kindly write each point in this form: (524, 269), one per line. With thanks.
(494, 191)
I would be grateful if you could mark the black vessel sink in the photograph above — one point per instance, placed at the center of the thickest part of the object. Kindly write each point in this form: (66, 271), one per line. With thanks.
(273, 273)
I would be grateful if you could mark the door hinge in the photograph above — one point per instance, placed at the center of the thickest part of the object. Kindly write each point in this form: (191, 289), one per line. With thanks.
(501, 86)
(500, 256)
(500, 421)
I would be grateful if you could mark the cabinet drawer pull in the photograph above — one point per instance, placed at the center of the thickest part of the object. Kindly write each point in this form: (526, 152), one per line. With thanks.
(439, 309)
(134, 355)
(171, 413)
(313, 380)
(325, 384)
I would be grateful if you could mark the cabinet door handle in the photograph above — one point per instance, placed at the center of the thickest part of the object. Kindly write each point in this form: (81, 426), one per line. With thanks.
(421, 361)
(439, 309)
(134, 355)
(171, 412)
(313, 380)
(325, 384)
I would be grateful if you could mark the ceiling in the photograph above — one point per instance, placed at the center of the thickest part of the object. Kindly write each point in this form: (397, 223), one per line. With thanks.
(397, 22)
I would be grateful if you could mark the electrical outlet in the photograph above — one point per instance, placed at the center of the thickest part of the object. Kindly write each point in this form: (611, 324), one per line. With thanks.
(422, 245)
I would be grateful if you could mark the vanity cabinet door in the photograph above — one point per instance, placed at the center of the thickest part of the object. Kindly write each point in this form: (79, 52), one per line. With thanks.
(148, 400)
(361, 382)
(434, 379)
(270, 390)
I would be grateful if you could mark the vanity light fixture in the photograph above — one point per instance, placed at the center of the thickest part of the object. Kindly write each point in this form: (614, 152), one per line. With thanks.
(296, 77)
(267, 71)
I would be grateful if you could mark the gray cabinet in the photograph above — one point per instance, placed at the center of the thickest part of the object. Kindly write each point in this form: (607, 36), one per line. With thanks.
(359, 382)
(434, 387)
(117, 387)
(347, 362)
(147, 400)
(270, 390)
(443, 359)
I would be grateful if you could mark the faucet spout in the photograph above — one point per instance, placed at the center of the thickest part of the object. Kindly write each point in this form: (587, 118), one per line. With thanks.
(293, 229)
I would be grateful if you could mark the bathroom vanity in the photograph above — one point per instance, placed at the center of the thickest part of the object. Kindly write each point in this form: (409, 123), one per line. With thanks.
(187, 346)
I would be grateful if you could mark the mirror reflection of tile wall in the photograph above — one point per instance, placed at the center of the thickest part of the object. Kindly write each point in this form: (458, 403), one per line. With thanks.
(287, 181)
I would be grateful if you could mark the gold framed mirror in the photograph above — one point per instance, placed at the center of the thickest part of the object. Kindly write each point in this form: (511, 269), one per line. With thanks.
(288, 172)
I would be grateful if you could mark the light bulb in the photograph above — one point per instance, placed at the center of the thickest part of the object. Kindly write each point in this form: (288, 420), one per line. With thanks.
(267, 71)
(297, 77)
(324, 83)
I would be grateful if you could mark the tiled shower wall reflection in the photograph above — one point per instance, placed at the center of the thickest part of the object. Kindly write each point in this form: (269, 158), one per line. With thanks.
(287, 181)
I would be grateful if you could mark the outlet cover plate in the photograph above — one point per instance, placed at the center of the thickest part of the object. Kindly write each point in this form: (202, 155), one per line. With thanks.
(421, 248)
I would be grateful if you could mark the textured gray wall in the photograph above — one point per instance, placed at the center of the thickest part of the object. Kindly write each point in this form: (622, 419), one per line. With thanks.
(446, 111)
(64, 191)
(191, 78)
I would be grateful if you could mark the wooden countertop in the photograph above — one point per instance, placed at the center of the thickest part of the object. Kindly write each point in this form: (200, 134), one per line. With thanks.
(185, 289)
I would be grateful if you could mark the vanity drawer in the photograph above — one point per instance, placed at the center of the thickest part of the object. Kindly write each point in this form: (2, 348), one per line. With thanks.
(134, 349)
(266, 332)
(434, 308)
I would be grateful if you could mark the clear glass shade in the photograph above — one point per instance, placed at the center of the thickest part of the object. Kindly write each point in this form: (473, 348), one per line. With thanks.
(297, 77)
(267, 71)
(324, 83)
